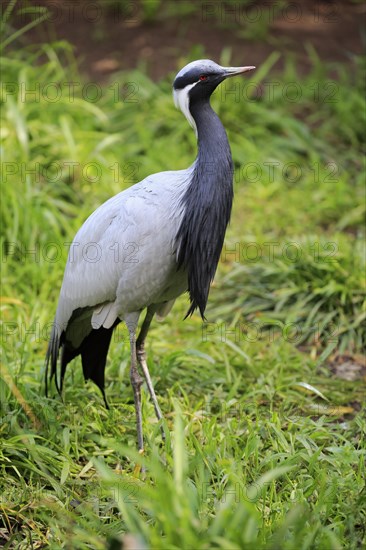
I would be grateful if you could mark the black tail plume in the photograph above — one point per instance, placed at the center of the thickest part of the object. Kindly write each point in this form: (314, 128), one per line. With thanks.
(93, 350)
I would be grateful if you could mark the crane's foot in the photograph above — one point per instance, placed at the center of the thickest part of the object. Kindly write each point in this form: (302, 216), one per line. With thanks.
(141, 358)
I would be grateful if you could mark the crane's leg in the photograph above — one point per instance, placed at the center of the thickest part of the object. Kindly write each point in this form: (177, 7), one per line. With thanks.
(141, 357)
(136, 380)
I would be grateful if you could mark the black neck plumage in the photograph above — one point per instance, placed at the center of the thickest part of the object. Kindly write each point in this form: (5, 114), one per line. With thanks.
(207, 206)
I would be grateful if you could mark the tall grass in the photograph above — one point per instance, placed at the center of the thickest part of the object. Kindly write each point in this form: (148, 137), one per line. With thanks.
(307, 287)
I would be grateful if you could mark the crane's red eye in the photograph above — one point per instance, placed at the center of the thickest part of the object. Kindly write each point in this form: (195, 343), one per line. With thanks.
(203, 77)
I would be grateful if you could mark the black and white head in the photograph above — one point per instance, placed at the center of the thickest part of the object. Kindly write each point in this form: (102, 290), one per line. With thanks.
(196, 82)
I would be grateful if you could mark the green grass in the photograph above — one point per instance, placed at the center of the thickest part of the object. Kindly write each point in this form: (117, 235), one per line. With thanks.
(314, 291)
(265, 445)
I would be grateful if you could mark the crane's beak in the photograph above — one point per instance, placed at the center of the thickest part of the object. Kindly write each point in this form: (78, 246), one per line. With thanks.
(232, 71)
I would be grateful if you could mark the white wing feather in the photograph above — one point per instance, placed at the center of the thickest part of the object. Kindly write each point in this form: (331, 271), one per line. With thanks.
(120, 260)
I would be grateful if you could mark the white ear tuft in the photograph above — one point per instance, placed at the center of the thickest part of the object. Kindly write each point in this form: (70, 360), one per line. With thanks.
(181, 101)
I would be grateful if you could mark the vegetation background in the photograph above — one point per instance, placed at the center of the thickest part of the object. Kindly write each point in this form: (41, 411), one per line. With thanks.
(264, 403)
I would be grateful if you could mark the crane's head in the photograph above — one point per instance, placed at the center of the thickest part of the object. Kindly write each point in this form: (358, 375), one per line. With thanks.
(197, 80)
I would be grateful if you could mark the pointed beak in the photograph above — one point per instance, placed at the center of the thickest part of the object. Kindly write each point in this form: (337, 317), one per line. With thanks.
(232, 71)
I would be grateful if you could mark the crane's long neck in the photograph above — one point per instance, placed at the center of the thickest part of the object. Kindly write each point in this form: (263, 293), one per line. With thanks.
(207, 205)
(213, 145)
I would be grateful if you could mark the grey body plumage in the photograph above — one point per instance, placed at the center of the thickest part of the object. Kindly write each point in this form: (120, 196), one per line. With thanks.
(147, 245)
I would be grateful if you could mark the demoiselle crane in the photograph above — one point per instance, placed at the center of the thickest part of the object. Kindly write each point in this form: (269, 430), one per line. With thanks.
(175, 221)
